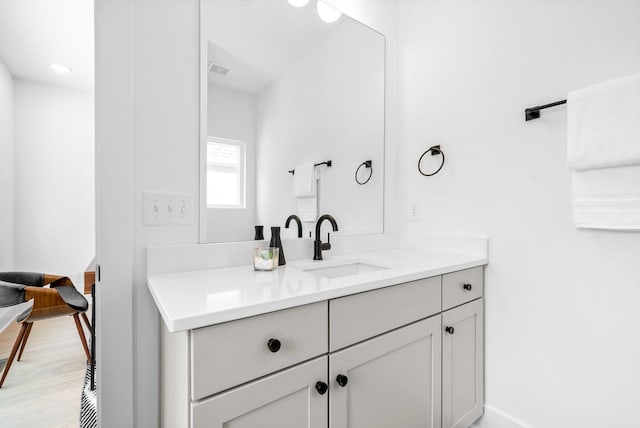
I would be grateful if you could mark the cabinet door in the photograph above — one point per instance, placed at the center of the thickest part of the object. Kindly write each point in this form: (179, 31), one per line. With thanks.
(462, 365)
(288, 399)
(392, 380)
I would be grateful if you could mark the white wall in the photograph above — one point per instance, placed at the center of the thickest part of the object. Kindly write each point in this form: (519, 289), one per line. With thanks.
(328, 105)
(6, 170)
(54, 179)
(167, 143)
(232, 115)
(116, 220)
(561, 304)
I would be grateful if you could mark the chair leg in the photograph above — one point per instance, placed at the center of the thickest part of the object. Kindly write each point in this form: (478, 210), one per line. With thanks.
(24, 340)
(17, 343)
(86, 320)
(83, 339)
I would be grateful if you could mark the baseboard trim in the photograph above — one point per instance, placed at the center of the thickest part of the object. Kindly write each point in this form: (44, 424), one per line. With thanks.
(493, 418)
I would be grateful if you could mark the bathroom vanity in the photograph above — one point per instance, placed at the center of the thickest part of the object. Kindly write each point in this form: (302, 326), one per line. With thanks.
(377, 339)
(327, 344)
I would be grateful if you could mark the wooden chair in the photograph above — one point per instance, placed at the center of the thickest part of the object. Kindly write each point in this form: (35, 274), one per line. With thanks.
(60, 299)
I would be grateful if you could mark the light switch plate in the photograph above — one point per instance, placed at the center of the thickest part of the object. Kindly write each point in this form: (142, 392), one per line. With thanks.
(168, 209)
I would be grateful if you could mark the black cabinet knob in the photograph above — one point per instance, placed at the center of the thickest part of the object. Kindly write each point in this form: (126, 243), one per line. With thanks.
(467, 287)
(322, 388)
(274, 345)
(450, 330)
(342, 380)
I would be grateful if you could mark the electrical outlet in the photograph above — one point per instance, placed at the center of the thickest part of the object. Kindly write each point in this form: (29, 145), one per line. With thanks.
(414, 211)
(167, 209)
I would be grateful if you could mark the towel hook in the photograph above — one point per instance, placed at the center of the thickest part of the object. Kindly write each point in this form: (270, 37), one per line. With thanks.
(434, 150)
(366, 164)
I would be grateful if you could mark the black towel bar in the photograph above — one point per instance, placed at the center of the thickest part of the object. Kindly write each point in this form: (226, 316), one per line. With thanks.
(327, 163)
(534, 112)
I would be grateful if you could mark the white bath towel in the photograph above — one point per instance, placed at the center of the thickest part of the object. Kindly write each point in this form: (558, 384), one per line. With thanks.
(603, 124)
(305, 183)
(607, 198)
(603, 152)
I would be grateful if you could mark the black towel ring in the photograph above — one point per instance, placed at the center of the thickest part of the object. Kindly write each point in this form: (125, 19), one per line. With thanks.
(434, 150)
(366, 164)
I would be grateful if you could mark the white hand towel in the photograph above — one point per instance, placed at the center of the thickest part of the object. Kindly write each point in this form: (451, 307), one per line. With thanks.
(603, 124)
(607, 198)
(304, 181)
(308, 208)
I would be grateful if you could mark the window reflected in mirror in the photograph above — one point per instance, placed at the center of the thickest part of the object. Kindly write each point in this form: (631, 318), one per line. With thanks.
(225, 173)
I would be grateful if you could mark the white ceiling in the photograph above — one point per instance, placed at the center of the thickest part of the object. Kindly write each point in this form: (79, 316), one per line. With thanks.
(36, 33)
(259, 39)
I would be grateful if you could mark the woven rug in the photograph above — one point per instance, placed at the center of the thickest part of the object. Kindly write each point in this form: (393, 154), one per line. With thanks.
(2, 363)
(88, 403)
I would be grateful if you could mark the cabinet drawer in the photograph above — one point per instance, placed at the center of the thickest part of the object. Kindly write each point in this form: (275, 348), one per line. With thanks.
(461, 287)
(229, 354)
(360, 316)
(287, 399)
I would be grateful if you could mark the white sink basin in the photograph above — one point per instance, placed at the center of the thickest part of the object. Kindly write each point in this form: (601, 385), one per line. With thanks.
(344, 270)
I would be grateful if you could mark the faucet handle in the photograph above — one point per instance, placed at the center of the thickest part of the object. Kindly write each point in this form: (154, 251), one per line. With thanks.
(327, 245)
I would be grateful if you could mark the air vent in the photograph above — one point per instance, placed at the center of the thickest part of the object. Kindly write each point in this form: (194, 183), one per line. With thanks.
(218, 69)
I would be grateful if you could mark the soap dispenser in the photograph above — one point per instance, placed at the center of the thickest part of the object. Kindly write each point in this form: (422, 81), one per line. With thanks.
(277, 242)
(259, 235)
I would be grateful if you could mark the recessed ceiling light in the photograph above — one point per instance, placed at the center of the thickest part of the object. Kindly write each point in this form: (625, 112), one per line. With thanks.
(218, 69)
(298, 3)
(61, 68)
(327, 13)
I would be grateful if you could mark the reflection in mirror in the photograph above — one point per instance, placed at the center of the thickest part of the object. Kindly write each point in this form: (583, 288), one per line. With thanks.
(286, 90)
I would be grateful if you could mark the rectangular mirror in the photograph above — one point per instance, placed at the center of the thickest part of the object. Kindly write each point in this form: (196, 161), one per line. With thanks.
(293, 119)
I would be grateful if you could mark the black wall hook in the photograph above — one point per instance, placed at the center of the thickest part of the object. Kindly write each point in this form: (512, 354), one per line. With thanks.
(435, 151)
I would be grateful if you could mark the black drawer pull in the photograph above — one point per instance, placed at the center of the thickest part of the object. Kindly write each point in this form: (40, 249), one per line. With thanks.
(450, 330)
(274, 345)
(467, 287)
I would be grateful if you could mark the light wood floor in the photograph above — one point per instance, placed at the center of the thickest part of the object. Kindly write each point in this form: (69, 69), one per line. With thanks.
(44, 388)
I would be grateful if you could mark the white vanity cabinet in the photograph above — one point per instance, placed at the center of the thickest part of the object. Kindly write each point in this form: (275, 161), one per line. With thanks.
(394, 356)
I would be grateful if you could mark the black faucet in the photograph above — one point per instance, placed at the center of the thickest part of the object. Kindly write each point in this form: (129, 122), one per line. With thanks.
(297, 219)
(318, 245)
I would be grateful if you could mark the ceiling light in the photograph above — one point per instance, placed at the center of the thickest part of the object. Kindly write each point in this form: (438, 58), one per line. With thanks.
(218, 69)
(327, 13)
(61, 68)
(298, 3)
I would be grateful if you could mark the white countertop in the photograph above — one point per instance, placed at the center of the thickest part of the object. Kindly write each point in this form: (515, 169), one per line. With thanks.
(189, 300)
